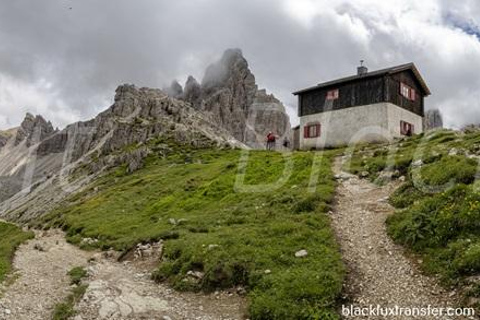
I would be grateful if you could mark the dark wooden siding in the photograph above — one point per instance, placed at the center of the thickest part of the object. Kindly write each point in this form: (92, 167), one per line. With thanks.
(383, 88)
(394, 96)
(351, 94)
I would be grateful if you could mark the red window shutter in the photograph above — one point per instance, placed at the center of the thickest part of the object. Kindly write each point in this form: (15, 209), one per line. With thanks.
(318, 129)
(305, 131)
(333, 94)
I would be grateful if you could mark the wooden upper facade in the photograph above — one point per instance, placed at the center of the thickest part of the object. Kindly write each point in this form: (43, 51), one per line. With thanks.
(401, 85)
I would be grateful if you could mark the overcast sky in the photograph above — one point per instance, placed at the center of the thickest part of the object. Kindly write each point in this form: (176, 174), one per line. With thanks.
(64, 58)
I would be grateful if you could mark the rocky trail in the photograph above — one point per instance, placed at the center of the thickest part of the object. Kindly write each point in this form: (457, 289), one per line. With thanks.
(378, 271)
(116, 290)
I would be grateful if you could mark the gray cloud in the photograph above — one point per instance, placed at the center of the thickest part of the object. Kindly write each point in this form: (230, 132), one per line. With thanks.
(66, 63)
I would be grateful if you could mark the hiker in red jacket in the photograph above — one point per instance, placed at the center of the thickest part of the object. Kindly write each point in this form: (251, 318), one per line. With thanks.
(271, 141)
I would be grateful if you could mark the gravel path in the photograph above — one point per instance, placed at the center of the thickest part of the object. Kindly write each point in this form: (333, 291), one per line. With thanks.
(122, 291)
(117, 290)
(40, 280)
(379, 273)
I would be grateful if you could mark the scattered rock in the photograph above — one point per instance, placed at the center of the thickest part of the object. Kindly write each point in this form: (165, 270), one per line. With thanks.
(453, 152)
(417, 163)
(268, 271)
(37, 246)
(241, 291)
(301, 254)
(143, 251)
(89, 241)
(212, 246)
(195, 274)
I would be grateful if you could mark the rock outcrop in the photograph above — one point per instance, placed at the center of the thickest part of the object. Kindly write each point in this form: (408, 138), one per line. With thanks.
(41, 166)
(137, 115)
(33, 130)
(229, 93)
(433, 119)
(6, 136)
(175, 90)
(193, 92)
(142, 121)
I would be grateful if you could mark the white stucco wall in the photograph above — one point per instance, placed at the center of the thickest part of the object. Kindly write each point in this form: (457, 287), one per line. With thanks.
(397, 114)
(368, 123)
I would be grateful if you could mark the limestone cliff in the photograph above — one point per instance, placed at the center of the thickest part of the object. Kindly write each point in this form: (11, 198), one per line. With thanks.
(64, 161)
(33, 130)
(433, 119)
(229, 93)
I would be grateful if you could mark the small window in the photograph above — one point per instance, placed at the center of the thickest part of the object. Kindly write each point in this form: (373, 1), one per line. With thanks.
(406, 128)
(332, 94)
(413, 95)
(408, 92)
(311, 130)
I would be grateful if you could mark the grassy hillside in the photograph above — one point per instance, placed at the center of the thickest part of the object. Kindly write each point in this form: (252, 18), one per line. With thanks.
(10, 238)
(438, 205)
(233, 238)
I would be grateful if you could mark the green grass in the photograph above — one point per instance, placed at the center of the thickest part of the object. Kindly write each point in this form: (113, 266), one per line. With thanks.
(11, 237)
(438, 214)
(232, 237)
(77, 274)
(66, 310)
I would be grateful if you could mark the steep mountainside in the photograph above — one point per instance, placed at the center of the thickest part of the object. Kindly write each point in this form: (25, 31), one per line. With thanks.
(35, 176)
(6, 135)
(230, 94)
(226, 109)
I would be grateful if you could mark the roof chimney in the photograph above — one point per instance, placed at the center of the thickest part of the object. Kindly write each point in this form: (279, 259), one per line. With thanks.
(362, 70)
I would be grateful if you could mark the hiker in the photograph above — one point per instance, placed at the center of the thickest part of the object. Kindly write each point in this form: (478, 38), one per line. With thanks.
(271, 141)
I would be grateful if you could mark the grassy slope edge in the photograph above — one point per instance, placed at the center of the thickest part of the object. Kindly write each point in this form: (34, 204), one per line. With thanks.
(438, 214)
(235, 239)
(11, 237)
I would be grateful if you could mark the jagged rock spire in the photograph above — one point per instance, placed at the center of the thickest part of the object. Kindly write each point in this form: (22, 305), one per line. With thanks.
(175, 90)
(192, 92)
(230, 94)
(33, 129)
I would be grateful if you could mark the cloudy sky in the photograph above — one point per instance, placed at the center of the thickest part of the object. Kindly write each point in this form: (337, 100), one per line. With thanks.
(64, 58)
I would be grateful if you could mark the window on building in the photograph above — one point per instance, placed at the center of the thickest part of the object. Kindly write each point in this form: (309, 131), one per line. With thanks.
(406, 128)
(408, 92)
(332, 94)
(311, 130)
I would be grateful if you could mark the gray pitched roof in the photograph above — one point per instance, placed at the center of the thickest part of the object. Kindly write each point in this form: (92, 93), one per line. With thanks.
(392, 70)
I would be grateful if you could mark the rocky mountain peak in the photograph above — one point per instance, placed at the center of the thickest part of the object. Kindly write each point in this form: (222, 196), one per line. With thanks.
(229, 70)
(33, 129)
(175, 90)
(229, 92)
(192, 92)
(433, 119)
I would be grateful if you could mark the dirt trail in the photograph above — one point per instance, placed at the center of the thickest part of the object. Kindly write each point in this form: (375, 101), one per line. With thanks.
(122, 291)
(40, 280)
(116, 290)
(379, 272)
